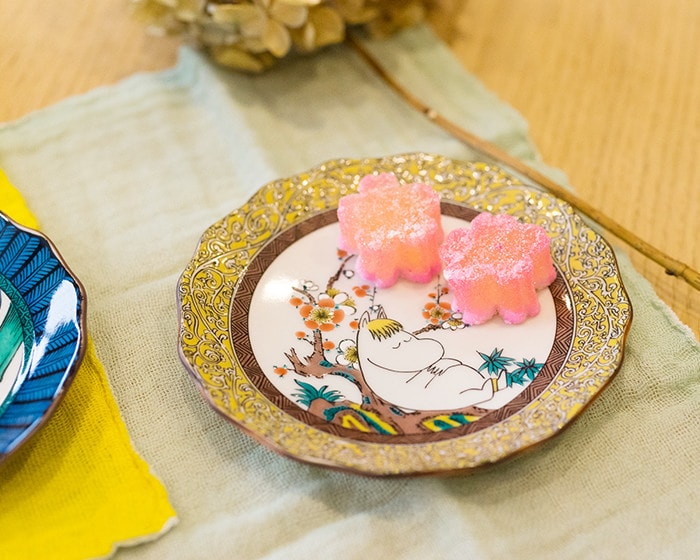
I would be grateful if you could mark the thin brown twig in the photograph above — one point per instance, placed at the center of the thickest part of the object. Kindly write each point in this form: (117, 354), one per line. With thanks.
(672, 266)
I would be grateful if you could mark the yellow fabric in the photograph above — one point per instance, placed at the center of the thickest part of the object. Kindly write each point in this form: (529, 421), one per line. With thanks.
(77, 489)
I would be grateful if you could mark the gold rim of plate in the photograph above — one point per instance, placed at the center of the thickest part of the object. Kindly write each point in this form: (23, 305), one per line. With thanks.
(601, 312)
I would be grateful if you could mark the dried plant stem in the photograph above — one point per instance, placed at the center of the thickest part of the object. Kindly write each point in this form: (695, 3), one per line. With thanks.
(672, 266)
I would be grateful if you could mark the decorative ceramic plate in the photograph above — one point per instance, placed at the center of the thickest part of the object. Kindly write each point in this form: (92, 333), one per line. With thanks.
(276, 327)
(42, 331)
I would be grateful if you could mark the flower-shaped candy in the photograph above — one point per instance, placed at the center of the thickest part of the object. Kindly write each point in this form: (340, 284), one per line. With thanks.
(496, 266)
(394, 230)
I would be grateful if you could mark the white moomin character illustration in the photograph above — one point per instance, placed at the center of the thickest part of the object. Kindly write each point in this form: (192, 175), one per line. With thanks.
(413, 373)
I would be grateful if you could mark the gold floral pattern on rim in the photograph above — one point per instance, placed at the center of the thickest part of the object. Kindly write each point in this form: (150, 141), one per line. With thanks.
(210, 289)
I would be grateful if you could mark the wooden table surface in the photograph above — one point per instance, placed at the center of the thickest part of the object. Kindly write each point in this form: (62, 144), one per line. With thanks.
(611, 90)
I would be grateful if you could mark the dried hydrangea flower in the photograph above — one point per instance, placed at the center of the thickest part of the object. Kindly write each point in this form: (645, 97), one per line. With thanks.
(251, 34)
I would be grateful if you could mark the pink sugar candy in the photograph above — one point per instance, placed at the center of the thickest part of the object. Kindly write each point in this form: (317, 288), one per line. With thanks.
(496, 266)
(394, 230)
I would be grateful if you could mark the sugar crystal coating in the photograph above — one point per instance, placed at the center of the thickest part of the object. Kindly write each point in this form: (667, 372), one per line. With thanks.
(495, 267)
(395, 230)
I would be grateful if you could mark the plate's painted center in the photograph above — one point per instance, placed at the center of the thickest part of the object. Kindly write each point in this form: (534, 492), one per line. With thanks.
(394, 361)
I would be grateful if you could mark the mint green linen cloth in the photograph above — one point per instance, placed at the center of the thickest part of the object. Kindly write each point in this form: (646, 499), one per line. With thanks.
(126, 178)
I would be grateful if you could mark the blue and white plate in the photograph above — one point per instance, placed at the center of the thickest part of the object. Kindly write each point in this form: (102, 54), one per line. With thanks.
(42, 331)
